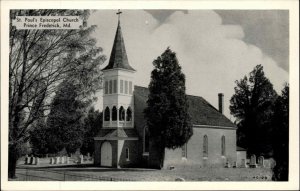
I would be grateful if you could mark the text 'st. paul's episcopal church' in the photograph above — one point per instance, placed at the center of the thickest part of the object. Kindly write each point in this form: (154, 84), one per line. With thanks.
(124, 141)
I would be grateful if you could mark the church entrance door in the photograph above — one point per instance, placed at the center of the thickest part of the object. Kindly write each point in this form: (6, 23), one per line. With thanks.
(106, 154)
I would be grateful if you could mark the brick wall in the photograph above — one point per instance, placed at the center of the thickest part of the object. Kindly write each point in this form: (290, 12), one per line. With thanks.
(134, 156)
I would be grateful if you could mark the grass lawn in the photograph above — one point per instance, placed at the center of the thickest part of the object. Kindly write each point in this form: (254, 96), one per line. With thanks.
(189, 173)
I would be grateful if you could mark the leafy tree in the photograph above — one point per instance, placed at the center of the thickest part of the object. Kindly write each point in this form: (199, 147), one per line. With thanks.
(92, 125)
(38, 133)
(65, 120)
(167, 114)
(253, 106)
(38, 61)
(281, 136)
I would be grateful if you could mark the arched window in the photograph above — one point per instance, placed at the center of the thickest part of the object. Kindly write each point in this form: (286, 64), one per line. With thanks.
(121, 113)
(106, 114)
(146, 140)
(128, 114)
(223, 146)
(114, 113)
(205, 146)
(127, 154)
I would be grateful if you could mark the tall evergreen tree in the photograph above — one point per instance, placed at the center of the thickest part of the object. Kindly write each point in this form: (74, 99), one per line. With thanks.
(167, 114)
(65, 120)
(281, 136)
(253, 106)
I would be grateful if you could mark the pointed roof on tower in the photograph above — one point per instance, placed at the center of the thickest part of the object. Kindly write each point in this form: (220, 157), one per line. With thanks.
(118, 57)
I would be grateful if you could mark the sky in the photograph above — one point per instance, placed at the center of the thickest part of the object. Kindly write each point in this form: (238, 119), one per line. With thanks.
(214, 48)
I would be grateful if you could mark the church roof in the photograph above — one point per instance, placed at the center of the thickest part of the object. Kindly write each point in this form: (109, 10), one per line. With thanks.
(240, 148)
(117, 133)
(201, 112)
(118, 57)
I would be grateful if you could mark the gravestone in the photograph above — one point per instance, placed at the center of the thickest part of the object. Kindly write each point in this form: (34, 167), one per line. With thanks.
(31, 160)
(253, 162)
(80, 159)
(227, 164)
(57, 160)
(261, 161)
(37, 161)
(234, 164)
(67, 160)
(26, 159)
(243, 164)
(62, 159)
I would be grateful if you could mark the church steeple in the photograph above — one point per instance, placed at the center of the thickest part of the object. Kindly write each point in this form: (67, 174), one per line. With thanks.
(118, 57)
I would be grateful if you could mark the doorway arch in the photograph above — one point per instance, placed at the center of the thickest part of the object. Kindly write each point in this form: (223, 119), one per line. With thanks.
(106, 154)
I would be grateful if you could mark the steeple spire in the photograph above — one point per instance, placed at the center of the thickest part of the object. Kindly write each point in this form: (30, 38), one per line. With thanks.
(118, 57)
(119, 13)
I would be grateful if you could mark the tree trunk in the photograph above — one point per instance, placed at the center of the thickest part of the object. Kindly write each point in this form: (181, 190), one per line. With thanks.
(12, 161)
(162, 157)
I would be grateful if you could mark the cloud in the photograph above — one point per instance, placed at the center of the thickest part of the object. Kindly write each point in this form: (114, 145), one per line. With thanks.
(212, 55)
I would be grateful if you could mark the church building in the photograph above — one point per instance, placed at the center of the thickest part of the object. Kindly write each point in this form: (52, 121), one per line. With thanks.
(124, 141)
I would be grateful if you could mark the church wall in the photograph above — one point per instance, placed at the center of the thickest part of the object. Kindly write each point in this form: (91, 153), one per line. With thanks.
(134, 156)
(195, 149)
(214, 135)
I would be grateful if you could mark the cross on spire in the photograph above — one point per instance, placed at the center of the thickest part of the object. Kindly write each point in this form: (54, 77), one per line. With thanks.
(119, 13)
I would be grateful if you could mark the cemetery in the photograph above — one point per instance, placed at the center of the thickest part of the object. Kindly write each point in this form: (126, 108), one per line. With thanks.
(80, 167)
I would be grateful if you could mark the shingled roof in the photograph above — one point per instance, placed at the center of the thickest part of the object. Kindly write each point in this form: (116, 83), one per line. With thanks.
(117, 133)
(118, 57)
(201, 112)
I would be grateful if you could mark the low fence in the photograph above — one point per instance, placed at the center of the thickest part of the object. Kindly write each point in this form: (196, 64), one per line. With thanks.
(51, 175)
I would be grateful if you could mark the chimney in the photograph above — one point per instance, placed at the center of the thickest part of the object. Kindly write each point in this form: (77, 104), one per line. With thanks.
(221, 102)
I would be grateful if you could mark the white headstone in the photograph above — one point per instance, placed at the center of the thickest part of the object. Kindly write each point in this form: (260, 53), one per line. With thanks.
(253, 161)
(37, 161)
(62, 159)
(81, 159)
(261, 161)
(68, 160)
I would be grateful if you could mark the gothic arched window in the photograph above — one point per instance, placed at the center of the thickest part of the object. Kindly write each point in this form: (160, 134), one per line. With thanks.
(146, 140)
(122, 114)
(223, 146)
(128, 114)
(205, 146)
(114, 113)
(106, 114)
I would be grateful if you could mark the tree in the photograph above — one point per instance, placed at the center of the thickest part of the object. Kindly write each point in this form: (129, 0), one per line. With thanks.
(38, 61)
(167, 114)
(253, 106)
(92, 125)
(281, 136)
(65, 120)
